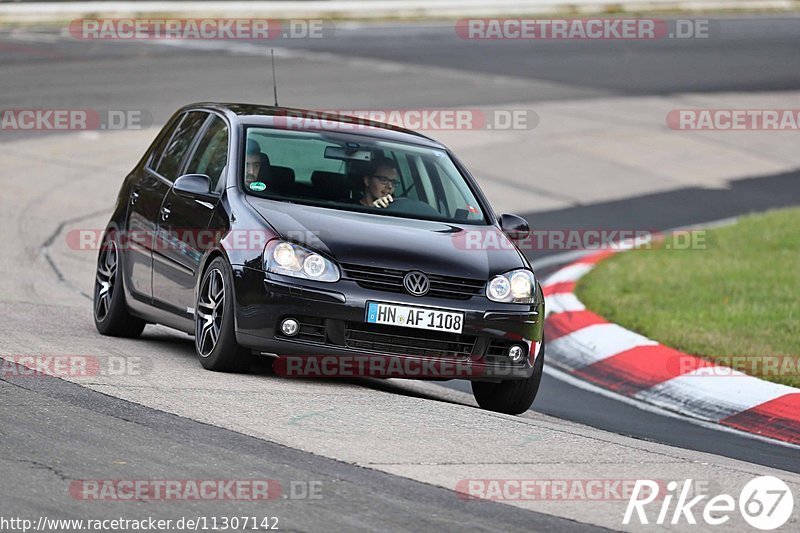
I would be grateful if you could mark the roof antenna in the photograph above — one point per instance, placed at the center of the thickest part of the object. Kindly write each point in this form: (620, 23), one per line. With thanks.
(274, 83)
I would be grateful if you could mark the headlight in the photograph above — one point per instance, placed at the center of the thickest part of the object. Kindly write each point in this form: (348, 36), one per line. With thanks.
(289, 259)
(517, 286)
(499, 289)
(284, 255)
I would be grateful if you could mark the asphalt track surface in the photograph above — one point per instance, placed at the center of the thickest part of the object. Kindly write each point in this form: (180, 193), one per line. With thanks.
(164, 444)
(753, 55)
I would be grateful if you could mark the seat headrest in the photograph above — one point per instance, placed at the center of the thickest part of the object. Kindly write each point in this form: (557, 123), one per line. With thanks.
(264, 173)
(330, 185)
(282, 175)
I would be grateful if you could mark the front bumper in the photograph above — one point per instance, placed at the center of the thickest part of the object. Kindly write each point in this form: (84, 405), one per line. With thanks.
(335, 313)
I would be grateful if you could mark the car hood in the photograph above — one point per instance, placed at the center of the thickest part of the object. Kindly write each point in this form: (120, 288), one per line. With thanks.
(468, 251)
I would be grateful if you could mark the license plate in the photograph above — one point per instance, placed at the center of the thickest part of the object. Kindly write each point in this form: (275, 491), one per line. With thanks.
(414, 317)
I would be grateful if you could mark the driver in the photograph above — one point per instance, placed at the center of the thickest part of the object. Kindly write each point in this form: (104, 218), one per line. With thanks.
(380, 180)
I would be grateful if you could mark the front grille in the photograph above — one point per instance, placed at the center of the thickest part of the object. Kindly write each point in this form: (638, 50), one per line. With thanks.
(391, 280)
(404, 341)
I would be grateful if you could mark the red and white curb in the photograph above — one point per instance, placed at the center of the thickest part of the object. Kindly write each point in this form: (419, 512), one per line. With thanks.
(586, 346)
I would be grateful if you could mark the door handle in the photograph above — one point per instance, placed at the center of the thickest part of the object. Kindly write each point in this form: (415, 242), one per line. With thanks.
(165, 212)
(134, 197)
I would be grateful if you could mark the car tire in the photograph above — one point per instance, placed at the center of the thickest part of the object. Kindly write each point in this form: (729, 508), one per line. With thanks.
(111, 314)
(511, 397)
(215, 337)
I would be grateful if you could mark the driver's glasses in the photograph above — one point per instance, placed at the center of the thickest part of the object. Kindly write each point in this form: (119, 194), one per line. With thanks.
(387, 181)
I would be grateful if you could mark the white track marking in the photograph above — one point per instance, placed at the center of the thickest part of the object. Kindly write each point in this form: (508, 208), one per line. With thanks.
(578, 383)
(562, 302)
(713, 393)
(594, 343)
(569, 273)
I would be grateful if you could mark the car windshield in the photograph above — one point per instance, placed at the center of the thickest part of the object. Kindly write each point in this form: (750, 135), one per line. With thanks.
(357, 173)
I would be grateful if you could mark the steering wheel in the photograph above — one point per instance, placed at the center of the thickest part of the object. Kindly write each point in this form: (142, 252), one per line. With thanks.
(412, 206)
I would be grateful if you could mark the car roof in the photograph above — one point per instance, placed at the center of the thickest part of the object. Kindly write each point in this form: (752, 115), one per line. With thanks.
(265, 114)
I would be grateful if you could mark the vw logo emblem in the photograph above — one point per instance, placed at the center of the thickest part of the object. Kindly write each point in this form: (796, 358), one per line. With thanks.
(416, 283)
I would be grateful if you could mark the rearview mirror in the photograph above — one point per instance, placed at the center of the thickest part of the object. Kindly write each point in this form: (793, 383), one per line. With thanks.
(516, 228)
(193, 184)
(347, 154)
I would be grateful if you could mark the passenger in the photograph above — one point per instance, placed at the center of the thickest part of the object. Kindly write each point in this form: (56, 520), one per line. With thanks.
(252, 163)
(380, 180)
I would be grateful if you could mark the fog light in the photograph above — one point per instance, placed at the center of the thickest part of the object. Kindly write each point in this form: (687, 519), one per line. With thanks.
(290, 327)
(515, 353)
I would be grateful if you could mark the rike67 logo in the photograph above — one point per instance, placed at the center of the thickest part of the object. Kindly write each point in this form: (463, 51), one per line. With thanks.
(765, 503)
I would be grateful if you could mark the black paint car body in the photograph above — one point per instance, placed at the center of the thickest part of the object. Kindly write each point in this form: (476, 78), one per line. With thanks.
(154, 239)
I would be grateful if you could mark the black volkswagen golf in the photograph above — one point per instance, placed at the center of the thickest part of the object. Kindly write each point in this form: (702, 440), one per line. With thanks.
(278, 232)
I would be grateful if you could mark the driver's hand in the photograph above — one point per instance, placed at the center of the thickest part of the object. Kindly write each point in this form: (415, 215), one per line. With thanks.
(383, 201)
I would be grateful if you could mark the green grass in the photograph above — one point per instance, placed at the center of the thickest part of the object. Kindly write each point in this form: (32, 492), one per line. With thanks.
(735, 295)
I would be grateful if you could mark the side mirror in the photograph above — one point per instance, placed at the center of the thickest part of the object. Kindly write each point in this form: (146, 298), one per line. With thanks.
(516, 228)
(193, 185)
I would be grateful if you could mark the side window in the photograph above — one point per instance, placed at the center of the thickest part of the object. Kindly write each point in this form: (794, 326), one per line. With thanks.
(179, 143)
(460, 206)
(211, 155)
(155, 155)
